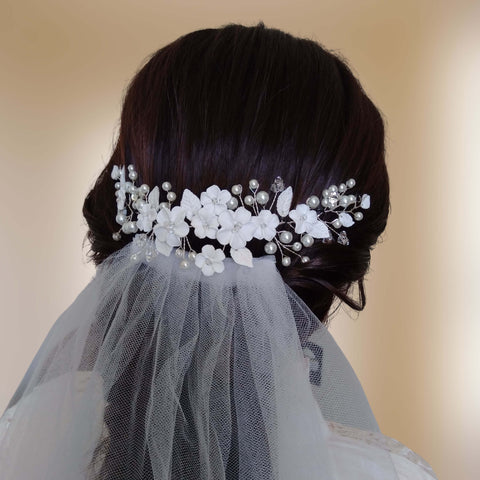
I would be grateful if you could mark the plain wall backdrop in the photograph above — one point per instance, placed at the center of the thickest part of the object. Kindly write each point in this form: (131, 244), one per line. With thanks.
(64, 67)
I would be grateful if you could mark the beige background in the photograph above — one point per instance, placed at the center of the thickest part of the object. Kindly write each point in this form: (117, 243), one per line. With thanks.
(63, 69)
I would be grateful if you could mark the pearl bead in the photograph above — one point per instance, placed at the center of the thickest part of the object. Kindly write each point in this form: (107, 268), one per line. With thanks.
(117, 185)
(344, 201)
(358, 216)
(333, 189)
(140, 203)
(179, 252)
(237, 189)
(232, 203)
(171, 196)
(337, 223)
(134, 197)
(305, 259)
(248, 200)
(286, 237)
(324, 202)
(164, 205)
(253, 184)
(116, 236)
(130, 168)
(135, 257)
(286, 261)
(270, 248)
(297, 246)
(307, 240)
(184, 264)
(192, 255)
(129, 227)
(350, 183)
(342, 187)
(120, 218)
(351, 198)
(133, 175)
(325, 193)
(144, 189)
(130, 188)
(262, 197)
(166, 186)
(313, 201)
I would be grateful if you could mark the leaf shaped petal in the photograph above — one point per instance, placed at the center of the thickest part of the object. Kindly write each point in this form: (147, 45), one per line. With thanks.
(190, 203)
(154, 198)
(284, 202)
(242, 256)
(319, 230)
(346, 219)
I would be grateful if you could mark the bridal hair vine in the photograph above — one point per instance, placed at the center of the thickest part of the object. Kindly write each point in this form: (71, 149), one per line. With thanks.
(231, 220)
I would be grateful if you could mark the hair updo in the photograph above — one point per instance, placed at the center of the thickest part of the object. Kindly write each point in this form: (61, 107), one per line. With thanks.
(221, 106)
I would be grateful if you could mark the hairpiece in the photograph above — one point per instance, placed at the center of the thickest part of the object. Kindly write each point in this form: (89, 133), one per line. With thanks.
(232, 220)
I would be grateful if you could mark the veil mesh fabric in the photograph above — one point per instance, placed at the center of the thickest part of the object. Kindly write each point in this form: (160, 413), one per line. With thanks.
(160, 373)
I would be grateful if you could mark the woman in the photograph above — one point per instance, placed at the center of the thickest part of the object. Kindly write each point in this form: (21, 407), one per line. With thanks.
(246, 190)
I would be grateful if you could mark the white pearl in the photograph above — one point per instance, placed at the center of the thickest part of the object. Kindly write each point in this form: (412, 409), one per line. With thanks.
(350, 183)
(305, 259)
(166, 186)
(333, 189)
(358, 216)
(164, 205)
(134, 197)
(120, 218)
(192, 255)
(133, 175)
(270, 248)
(171, 196)
(184, 264)
(180, 252)
(297, 246)
(129, 227)
(130, 168)
(325, 193)
(248, 200)
(307, 240)
(117, 185)
(342, 187)
(144, 189)
(116, 236)
(324, 202)
(286, 261)
(232, 203)
(140, 203)
(313, 201)
(237, 189)
(351, 198)
(337, 223)
(262, 197)
(286, 237)
(130, 187)
(344, 201)
(253, 184)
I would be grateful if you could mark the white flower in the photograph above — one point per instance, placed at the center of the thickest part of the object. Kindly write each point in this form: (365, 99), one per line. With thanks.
(205, 222)
(216, 197)
(266, 225)
(170, 227)
(210, 260)
(236, 228)
(146, 217)
(306, 221)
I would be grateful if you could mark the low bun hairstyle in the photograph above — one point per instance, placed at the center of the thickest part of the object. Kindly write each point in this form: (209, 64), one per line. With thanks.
(221, 106)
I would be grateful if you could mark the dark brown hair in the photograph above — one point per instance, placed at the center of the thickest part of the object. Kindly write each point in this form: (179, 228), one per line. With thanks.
(221, 106)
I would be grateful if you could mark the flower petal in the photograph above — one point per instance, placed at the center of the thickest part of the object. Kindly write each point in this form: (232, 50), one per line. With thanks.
(224, 235)
(154, 198)
(162, 247)
(345, 219)
(365, 201)
(190, 203)
(318, 230)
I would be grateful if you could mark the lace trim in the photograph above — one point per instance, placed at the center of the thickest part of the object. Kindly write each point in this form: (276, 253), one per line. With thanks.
(379, 440)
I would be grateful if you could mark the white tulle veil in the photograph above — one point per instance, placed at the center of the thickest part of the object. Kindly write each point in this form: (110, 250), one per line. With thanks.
(155, 372)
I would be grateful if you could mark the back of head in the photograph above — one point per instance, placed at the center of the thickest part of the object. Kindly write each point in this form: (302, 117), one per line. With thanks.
(222, 106)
